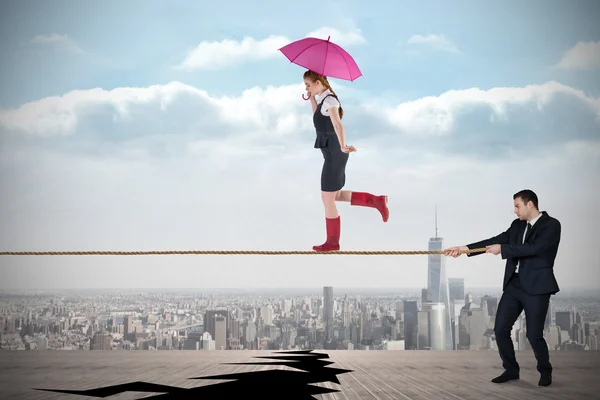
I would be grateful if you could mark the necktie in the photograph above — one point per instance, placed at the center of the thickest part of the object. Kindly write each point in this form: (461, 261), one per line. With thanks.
(527, 232)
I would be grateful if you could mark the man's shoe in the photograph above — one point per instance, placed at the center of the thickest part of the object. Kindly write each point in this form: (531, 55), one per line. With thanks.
(545, 379)
(505, 377)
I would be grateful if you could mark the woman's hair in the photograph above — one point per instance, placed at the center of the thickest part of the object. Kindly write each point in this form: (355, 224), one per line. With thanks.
(313, 76)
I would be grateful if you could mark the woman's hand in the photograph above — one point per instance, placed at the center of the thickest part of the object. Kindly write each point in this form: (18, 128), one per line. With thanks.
(348, 149)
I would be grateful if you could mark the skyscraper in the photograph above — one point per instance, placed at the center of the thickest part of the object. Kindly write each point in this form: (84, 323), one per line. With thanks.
(437, 283)
(209, 322)
(328, 311)
(220, 326)
(436, 324)
(411, 313)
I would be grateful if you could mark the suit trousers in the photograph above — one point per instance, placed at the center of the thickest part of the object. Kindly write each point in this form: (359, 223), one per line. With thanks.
(514, 300)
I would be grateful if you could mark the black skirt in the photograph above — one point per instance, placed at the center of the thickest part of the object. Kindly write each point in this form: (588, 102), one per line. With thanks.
(333, 175)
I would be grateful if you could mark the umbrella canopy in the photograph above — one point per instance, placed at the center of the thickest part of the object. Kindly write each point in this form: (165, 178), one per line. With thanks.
(323, 57)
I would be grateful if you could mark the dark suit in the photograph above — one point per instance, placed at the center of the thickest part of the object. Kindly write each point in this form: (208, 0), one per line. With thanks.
(530, 289)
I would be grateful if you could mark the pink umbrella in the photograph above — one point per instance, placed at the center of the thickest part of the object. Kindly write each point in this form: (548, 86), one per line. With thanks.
(323, 57)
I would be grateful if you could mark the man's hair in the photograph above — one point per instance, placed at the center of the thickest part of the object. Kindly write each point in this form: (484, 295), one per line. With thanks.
(527, 195)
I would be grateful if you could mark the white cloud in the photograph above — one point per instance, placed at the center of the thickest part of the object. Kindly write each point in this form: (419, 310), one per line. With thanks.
(436, 42)
(263, 109)
(176, 167)
(438, 114)
(275, 108)
(59, 115)
(584, 55)
(219, 54)
(180, 120)
(63, 42)
(354, 37)
(214, 55)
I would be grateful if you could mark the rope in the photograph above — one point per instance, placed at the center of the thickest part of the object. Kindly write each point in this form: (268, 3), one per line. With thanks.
(226, 252)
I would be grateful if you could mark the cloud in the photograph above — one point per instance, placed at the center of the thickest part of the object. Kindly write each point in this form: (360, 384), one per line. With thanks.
(582, 56)
(173, 108)
(214, 55)
(62, 42)
(496, 122)
(435, 42)
(219, 54)
(176, 167)
(60, 115)
(175, 117)
(354, 37)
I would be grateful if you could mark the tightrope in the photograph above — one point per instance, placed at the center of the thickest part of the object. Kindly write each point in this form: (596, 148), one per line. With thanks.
(229, 252)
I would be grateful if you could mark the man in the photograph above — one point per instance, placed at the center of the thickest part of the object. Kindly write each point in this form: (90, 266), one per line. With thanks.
(529, 246)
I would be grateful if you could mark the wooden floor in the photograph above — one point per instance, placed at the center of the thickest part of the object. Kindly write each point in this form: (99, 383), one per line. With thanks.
(376, 374)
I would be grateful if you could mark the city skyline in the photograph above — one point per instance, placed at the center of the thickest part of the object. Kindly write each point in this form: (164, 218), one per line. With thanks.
(205, 322)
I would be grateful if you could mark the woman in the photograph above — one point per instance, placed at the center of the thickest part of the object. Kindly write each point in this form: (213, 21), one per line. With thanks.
(331, 139)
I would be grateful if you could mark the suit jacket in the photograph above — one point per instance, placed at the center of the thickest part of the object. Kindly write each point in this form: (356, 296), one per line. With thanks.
(536, 256)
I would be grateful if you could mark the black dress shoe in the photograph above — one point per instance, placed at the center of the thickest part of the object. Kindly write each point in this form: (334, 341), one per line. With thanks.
(505, 377)
(545, 380)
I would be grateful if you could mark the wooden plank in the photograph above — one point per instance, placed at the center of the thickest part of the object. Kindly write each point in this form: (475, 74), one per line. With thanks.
(378, 375)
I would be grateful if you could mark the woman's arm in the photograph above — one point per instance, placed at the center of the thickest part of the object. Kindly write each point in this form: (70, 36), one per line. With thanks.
(334, 114)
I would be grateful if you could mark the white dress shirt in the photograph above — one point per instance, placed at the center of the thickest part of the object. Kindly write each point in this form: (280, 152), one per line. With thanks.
(532, 222)
(328, 102)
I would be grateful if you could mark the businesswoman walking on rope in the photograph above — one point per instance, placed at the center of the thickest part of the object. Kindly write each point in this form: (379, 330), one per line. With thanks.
(331, 139)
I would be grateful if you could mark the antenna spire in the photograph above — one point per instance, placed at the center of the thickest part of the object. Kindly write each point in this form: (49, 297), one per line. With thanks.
(436, 225)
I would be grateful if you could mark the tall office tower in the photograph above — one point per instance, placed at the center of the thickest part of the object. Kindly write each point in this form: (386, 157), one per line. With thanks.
(220, 324)
(492, 304)
(400, 310)
(411, 315)
(399, 321)
(266, 314)
(128, 328)
(365, 317)
(101, 341)
(437, 283)
(549, 315)
(435, 315)
(328, 311)
(286, 306)
(565, 320)
(346, 312)
(209, 321)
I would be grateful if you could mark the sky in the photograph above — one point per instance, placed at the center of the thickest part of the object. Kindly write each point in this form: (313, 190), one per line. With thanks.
(179, 125)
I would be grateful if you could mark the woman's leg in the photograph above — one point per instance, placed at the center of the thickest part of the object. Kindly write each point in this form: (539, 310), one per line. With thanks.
(329, 199)
(343, 195)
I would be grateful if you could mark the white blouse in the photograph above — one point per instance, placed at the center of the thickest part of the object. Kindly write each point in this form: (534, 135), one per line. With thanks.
(328, 102)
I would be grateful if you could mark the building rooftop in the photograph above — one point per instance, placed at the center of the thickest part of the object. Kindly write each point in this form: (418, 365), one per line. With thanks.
(380, 375)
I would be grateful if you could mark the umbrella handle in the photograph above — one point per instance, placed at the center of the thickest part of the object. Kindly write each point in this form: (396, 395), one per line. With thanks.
(305, 98)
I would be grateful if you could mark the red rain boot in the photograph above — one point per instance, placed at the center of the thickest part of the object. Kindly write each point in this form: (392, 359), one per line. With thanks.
(333, 236)
(368, 200)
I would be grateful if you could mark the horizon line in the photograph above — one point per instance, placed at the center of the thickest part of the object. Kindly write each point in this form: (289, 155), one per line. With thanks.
(245, 288)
